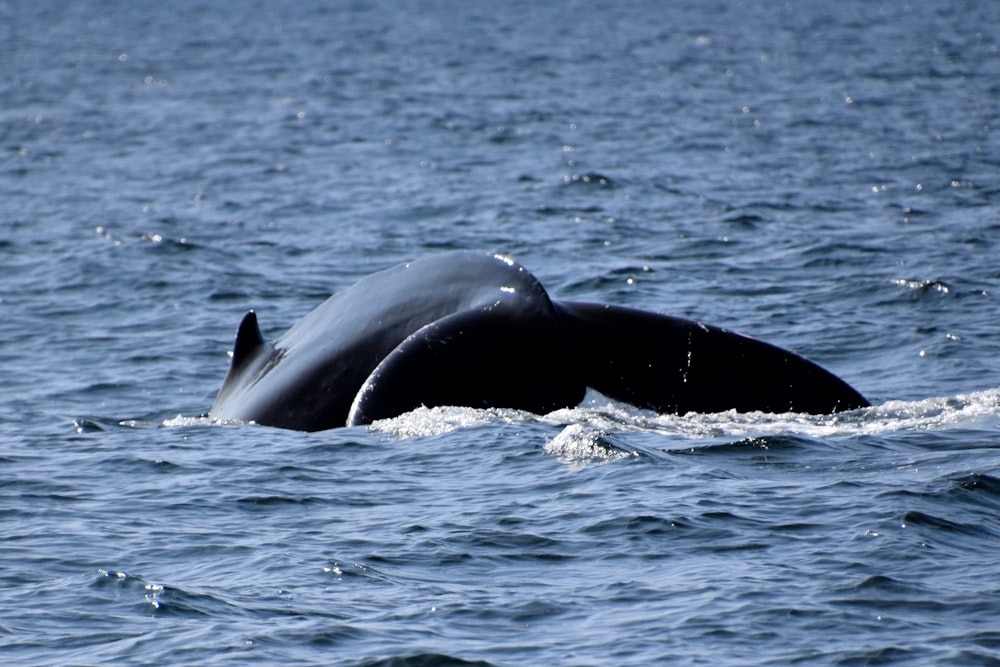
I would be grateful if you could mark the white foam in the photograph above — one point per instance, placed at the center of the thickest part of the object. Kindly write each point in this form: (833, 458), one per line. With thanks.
(181, 420)
(931, 413)
(578, 444)
(585, 425)
(436, 421)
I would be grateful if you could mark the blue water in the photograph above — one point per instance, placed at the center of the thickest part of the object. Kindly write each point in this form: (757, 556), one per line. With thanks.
(824, 176)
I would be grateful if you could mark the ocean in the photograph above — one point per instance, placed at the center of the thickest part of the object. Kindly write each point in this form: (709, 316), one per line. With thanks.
(823, 176)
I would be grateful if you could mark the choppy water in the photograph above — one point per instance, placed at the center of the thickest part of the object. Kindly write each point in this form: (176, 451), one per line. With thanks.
(821, 176)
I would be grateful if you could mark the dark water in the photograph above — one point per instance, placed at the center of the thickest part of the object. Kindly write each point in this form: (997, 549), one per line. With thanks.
(825, 176)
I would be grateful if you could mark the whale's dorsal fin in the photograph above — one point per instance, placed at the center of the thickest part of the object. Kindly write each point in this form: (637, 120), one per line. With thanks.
(249, 351)
(248, 341)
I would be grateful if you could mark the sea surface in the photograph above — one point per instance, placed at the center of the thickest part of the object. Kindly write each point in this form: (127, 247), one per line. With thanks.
(821, 175)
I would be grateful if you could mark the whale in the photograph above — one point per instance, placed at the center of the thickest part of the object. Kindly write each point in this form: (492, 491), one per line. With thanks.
(477, 329)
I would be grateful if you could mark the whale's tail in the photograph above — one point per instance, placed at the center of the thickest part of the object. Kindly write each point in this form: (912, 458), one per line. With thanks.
(674, 365)
(479, 330)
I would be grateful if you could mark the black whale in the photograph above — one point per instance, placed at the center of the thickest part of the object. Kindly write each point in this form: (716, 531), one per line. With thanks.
(479, 330)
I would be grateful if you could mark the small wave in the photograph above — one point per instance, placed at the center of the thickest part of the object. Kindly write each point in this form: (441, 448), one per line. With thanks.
(423, 660)
(152, 594)
(590, 178)
(341, 572)
(916, 518)
(881, 584)
(980, 483)
(94, 424)
(161, 599)
(579, 444)
(97, 424)
(923, 286)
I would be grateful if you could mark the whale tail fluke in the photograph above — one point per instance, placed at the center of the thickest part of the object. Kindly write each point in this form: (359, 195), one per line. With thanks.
(487, 358)
(669, 364)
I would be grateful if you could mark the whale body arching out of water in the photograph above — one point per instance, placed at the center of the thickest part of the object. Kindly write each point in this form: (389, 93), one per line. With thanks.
(479, 330)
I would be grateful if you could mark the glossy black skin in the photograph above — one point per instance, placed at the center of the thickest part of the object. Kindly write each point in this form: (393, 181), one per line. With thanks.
(479, 330)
